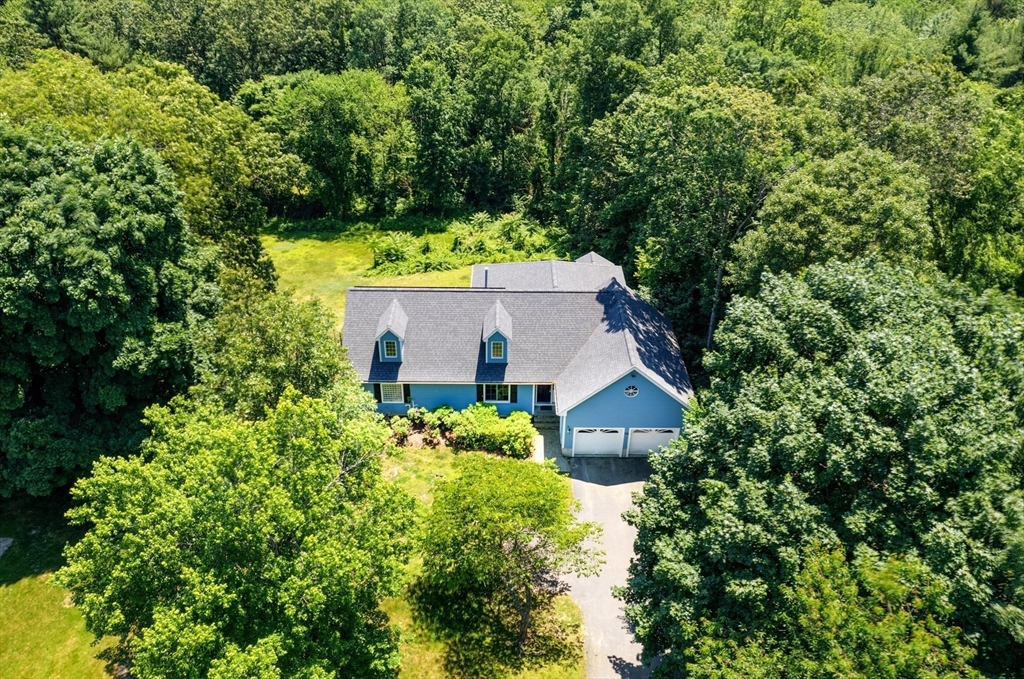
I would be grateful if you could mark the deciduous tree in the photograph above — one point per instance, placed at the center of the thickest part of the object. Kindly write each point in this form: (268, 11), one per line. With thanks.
(235, 549)
(103, 290)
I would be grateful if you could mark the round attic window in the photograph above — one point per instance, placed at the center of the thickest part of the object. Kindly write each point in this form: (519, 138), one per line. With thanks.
(631, 391)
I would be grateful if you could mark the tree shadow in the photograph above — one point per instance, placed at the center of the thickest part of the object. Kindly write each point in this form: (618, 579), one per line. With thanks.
(479, 631)
(40, 533)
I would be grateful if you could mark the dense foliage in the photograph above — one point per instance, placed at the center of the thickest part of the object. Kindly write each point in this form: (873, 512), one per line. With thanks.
(880, 618)
(860, 406)
(496, 539)
(228, 167)
(479, 427)
(234, 549)
(658, 132)
(103, 291)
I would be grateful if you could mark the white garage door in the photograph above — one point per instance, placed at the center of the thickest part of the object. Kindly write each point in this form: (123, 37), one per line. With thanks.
(642, 441)
(587, 441)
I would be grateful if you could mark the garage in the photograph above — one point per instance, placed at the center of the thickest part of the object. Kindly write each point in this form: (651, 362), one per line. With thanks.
(643, 441)
(597, 441)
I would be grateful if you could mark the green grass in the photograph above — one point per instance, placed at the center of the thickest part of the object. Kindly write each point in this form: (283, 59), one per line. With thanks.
(417, 471)
(43, 636)
(326, 265)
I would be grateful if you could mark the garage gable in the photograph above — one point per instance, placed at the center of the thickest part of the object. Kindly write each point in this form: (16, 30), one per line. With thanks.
(631, 402)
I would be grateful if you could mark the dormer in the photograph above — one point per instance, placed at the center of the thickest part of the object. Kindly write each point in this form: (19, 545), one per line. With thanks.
(497, 333)
(391, 333)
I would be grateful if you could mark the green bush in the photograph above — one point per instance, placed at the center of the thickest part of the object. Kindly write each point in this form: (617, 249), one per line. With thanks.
(479, 427)
(438, 422)
(400, 429)
(508, 238)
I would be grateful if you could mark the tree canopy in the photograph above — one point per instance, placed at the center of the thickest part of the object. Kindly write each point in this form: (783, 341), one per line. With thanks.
(497, 537)
(854, 406)
(103, 290)
(227, 167)
(234, 549)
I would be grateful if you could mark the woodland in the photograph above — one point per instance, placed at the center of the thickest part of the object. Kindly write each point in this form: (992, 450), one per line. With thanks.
(825, 198)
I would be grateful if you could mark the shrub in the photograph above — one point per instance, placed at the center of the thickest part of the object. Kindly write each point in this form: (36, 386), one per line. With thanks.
(394, 247)
(479, 427)
(517, 438)
(400, 429)
(438, 422)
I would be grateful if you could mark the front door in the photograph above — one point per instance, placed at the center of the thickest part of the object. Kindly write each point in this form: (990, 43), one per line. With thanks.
(544, 401)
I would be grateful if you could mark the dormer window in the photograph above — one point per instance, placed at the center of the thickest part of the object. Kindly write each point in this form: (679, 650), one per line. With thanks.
(497, 333)
(391, 333)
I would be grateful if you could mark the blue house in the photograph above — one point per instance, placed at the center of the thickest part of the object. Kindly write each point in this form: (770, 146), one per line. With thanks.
(568, 342)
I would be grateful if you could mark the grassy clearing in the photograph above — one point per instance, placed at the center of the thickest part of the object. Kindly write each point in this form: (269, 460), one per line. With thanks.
(44, 637)
(417, 471)
(326, 265)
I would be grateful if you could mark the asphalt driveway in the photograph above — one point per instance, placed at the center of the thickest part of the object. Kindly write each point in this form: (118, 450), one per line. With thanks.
(604, 487)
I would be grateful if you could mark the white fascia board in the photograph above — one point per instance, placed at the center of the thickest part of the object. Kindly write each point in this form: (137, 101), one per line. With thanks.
(643, 371)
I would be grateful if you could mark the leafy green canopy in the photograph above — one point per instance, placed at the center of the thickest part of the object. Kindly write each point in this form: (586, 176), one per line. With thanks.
(231, 549)
(102, 293)
(351, 128)
(880, 618)
(226, 165)
(676, 179)
(860, 405)
(496, 539)
(261, 343)
(857, 203)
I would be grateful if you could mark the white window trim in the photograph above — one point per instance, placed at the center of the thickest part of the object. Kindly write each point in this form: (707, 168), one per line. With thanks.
(393, 343)
(500, 344)
(391, 386)
(508, 393)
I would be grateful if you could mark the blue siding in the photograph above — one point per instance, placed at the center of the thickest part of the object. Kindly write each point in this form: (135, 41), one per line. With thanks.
(496, 337)
(610, 407)
(458, 396)
(388, 335)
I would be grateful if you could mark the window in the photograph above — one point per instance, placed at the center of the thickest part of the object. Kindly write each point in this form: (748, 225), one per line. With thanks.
(497, 393)
(392, 393)
(631, 391)
(390, 349)
(497, 350)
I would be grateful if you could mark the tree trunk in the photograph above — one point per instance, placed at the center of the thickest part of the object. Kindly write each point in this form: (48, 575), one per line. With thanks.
(525, 609)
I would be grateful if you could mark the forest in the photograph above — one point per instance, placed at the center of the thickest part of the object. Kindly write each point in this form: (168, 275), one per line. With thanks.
(825, 197)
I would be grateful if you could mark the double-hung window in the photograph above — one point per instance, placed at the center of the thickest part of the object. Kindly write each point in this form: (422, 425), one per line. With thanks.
(390, 349)
(497, 350)
(496, 393)
(392, 393)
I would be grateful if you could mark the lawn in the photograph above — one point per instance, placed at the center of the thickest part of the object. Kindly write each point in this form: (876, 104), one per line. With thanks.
(417, 470)
(44, 637)
(326, 265)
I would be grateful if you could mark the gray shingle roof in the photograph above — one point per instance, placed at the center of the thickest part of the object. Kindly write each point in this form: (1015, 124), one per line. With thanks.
(593, 258)
(393, 319)
(580, 341)
(497, 319)
(548, 275)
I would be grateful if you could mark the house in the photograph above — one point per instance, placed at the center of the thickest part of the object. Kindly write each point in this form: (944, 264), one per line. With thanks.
(565, 341)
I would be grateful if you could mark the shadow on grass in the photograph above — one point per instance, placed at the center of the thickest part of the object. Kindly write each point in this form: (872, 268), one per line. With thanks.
(479, 630)
(40, 533)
